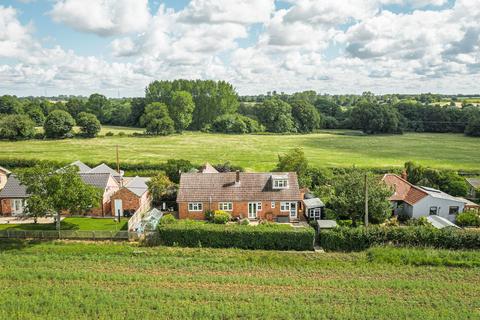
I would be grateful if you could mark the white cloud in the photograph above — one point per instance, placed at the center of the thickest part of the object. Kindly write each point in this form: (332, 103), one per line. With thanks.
(14, 36)
(103, 17)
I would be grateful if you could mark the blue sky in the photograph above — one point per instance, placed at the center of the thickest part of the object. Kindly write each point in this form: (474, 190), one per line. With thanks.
(342, 46)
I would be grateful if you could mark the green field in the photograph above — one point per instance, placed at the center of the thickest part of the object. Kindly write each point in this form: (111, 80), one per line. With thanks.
(121, 281)
(82, 224)
(332, 148)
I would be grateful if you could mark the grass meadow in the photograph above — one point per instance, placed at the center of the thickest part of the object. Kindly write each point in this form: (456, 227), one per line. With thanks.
(72, 280)
(328, 148)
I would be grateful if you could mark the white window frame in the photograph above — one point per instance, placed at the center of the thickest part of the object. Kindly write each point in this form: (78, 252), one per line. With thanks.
(225, 206)
(285, 206)
(272, 205)
(312, 214)
(259, 206)
(195, 206)
(280, 183)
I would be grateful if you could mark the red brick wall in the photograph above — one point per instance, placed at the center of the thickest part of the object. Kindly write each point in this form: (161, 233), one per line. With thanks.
(130, 201)
(240, 209)
(5, 207)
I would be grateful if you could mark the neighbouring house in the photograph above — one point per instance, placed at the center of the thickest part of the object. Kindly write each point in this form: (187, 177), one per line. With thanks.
(4, 173)
(269, 196)
(131, 197)
(208, 168)
(473, 189)
(417, 202)
(13, 197)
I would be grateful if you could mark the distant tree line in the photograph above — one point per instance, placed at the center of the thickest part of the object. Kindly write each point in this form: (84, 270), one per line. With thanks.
(214, 106)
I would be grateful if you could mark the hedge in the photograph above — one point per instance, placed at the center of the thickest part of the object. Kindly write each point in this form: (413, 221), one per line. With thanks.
(233, 236)
(357, 239)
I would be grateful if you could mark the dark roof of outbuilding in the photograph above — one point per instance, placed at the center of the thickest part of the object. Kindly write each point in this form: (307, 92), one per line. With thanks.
(99, 180)
(14, 189)
(222, 187)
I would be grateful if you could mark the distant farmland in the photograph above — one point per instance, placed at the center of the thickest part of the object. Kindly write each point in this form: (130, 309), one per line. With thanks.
(327, 148)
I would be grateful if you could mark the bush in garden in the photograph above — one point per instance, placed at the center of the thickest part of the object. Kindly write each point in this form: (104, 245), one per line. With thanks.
(221, 217)
(209, 214)
(168, 219)
(468, 219)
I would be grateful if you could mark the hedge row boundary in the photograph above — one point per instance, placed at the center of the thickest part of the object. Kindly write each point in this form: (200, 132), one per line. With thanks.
(233, 236)
(358, 239)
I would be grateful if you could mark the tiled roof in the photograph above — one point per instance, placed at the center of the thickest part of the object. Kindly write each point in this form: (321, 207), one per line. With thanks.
(99, 180)
(103, 168)
(82, 167)
(404, 190)
(7, 172)
(137, 185)
(14, 189)
(222, 187)
(208, 168)
(313, 203)
(474, 182)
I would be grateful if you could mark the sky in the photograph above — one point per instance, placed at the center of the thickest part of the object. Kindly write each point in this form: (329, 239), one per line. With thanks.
(117, 47)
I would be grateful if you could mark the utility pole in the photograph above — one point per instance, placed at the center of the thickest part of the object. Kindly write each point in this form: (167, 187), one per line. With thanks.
(366, 200)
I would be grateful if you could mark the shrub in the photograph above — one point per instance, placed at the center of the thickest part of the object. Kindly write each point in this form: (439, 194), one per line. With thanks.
(58, 124)
(356, 239)
(468, 219)
(209, 214)
(109, 134)
(168, 219)
(121, 134)
(420, 222)
(16, 127)
(195, 234)
(89, 124)
(221, 217)
(244, 222)
(235, 123)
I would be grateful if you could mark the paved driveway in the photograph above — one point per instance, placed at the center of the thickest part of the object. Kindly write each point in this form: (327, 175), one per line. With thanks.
(16, 220)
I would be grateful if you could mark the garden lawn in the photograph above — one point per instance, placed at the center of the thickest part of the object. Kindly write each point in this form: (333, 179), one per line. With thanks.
(328, 148)
(86, 224)
(72, 280)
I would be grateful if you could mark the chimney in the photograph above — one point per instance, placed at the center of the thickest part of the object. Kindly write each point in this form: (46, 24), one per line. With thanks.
(404, 175)
(237, 176)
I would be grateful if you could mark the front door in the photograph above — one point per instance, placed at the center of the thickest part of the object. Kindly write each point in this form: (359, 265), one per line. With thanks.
(293, 210)
(118, 207)
(252, 210)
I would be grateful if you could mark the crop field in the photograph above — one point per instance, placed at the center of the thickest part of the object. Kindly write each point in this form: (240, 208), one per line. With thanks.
(329, 148)
(121, 281)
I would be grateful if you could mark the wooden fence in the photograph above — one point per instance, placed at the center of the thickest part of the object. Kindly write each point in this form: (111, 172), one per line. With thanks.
(69, 234)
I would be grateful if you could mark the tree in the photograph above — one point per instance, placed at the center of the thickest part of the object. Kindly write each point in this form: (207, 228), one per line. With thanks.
(348, 197)
(174, 167)
(473, 127)
(121, 114)
(137, 110)
(55, 191)
(159, 187)
(156, 119)
(306, 116)
(295, 161)
(75, 106)
(374, 118)
(89, 124)
(100, 106)
(181, 109)
(58, 124)
(276, 116)
(37, 116)
(16, 127)
(10, 105)
(235, 123)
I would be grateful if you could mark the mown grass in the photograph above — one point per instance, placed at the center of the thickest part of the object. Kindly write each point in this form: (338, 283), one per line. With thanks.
(121, 281)
(86, 224)
(328, 148)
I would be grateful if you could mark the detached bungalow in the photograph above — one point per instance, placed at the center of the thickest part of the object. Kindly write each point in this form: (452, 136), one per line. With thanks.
(270, 196)
(418, 202)
(13, 197)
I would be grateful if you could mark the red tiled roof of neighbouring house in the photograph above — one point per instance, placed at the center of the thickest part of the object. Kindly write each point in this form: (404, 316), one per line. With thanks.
(404, 190)
(223, 187)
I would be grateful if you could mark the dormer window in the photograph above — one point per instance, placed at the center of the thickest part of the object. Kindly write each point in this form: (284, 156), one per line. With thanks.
(280, 182)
